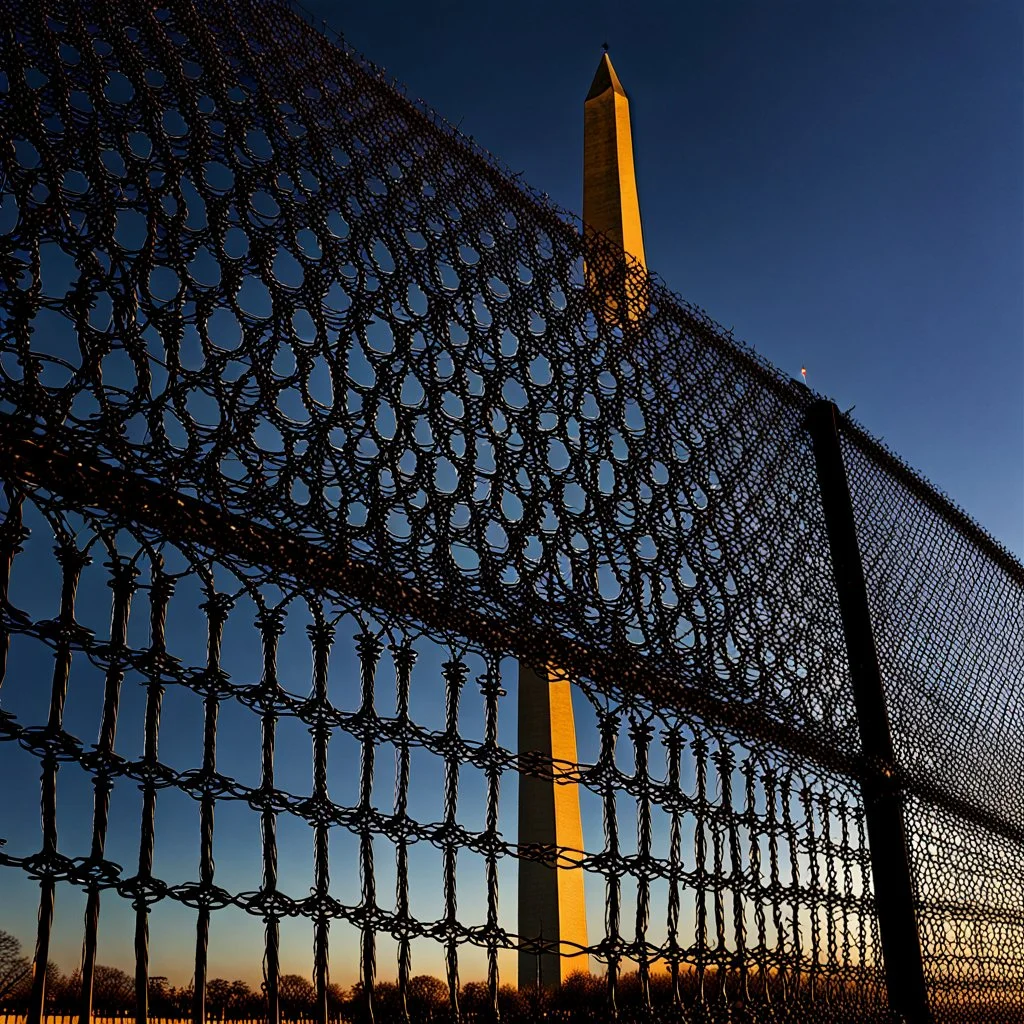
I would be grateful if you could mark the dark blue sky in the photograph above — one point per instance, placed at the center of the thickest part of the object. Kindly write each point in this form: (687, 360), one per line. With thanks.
(839, 182)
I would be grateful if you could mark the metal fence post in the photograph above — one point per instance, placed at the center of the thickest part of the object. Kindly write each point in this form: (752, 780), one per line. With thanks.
(883, 797)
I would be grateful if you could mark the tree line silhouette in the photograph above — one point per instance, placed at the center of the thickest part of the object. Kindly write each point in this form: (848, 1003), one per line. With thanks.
(582, 998)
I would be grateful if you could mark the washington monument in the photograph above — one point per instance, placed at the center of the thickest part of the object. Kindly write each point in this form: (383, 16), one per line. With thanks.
(551, 891)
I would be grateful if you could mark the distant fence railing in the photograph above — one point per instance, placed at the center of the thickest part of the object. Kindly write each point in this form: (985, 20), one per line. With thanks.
(313, 427)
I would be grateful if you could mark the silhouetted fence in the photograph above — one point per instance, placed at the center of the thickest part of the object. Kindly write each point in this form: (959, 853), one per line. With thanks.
(312, 421)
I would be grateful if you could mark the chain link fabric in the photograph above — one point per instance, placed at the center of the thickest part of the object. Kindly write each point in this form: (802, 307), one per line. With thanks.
(947, 607)
(240, 266)
(311, 307)
(763, 860)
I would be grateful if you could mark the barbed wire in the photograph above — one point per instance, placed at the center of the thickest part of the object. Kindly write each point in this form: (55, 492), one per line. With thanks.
(275, 334)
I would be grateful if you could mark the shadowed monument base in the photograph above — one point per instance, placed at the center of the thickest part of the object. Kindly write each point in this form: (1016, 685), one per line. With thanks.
(551, 903)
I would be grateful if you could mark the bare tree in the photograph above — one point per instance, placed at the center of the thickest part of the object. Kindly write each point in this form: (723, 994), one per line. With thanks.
(113, 990)
(15, 969)
(63, 992)
(218, 996)
(426, 993)
(336, 997)
(161, 996)
(244, 1002)
(297, 994)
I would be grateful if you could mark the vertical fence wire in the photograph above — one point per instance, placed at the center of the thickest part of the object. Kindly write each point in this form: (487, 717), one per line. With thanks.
(267, 320)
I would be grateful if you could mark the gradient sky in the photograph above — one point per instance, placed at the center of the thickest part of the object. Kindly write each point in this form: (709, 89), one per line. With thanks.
(839, 182)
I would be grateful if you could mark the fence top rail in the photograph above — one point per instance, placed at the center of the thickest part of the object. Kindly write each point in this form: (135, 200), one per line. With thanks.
(651, 491)
(570, 222)
(58, 466)
(934, 498)
(541, 454)
(568, 226)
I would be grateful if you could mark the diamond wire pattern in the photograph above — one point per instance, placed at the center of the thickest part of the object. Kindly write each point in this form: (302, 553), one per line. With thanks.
(239, 264)
(948, 614)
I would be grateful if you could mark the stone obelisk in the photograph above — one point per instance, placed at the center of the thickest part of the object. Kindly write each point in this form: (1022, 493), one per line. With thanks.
(611, 206)
(551, 905)
(551, 892)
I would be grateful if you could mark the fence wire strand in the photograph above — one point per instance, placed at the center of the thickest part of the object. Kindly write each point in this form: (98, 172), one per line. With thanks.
(282, 358)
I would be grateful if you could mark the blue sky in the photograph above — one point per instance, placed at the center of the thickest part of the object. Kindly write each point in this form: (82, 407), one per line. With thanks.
(840, 183)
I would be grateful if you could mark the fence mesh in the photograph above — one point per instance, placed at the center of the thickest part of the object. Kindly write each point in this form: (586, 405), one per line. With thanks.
(282, 355)
(947, 607)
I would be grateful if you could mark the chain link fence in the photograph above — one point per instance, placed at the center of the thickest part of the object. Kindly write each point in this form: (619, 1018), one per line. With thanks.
(315, 425)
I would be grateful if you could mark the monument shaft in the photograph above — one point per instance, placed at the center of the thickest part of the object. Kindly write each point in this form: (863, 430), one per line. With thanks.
(551, 889)
(551, 897)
